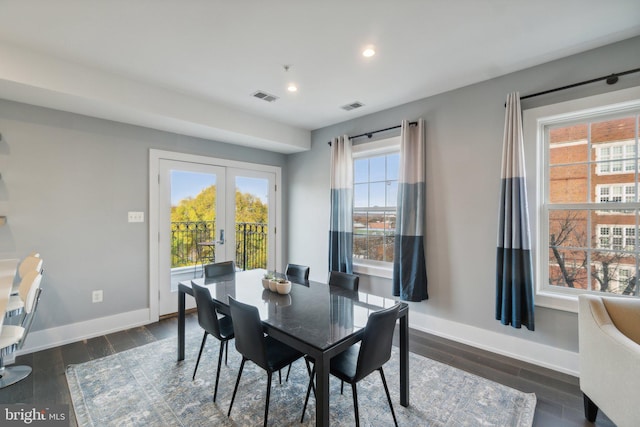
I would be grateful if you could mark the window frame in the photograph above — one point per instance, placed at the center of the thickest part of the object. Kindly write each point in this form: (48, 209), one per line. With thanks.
(535, 123)
(371, 149)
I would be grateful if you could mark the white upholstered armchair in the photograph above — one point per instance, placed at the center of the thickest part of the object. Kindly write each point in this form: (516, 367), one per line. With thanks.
(609, 332)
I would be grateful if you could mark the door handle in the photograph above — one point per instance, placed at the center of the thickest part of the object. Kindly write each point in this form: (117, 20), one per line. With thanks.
(221, 241)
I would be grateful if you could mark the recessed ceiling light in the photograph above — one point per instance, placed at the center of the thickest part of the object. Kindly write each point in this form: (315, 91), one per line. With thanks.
(368, 52)
(292, 87)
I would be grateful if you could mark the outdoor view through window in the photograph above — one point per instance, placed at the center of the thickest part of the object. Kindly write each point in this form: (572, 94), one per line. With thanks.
(592, 204)
(374, 212)
(193, 219)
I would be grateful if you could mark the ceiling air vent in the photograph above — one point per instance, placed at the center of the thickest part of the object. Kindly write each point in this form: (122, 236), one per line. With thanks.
(352, 106)
(264, 96)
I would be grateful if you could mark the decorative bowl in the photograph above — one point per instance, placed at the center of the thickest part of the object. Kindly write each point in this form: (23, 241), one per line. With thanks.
(283, 287)
(273, 285)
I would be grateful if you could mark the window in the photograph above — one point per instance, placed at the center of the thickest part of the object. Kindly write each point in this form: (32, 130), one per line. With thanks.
(615, 158)
(375, 189)
(587, 193)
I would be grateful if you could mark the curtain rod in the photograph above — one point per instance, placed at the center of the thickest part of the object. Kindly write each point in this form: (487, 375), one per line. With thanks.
(370, 134)
(611, 80)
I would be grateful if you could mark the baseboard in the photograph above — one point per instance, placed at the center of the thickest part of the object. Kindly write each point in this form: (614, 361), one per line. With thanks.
(528, 351)
(61, 335)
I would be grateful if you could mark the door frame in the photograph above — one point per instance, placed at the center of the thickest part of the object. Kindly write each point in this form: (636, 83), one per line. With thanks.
(154, 215)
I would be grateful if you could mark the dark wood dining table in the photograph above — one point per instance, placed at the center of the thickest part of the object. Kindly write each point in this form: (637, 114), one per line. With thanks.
(315, 318)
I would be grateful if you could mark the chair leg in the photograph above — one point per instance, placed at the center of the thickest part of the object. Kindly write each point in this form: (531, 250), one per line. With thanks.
(280, 376)
(590, 409)
(306, 399)
(266, 407)
(226, 353)
(215, 390)
(311, 373)
(386, 390)
(204, 340)
(236, 387)
(288, 372)
(354, 389)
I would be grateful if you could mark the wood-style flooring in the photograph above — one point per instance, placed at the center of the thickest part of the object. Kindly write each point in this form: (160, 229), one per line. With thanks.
(559, 401)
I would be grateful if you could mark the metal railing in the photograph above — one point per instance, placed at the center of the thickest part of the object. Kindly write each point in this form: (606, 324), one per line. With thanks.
(251, 244)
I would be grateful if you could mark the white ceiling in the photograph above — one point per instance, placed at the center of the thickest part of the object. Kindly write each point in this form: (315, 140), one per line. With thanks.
(216, 53)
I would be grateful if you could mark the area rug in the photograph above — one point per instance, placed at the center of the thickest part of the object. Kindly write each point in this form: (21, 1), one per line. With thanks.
(145, 386)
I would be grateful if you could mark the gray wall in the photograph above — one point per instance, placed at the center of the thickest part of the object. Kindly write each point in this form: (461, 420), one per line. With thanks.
(67, 184)
(464, 144)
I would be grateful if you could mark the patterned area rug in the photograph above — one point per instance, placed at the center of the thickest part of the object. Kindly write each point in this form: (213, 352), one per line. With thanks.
(146, 387)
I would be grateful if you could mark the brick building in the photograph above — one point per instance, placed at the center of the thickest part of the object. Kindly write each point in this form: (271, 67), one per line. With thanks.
(593, 163)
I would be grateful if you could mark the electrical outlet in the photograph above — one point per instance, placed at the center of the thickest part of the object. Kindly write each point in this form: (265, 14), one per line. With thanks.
(136, 217)
(96, 296)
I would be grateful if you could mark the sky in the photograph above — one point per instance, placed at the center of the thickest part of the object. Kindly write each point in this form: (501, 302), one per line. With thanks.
(189, 184)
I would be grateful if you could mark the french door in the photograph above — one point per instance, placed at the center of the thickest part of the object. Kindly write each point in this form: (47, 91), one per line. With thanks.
(192, 220)
(208, 210)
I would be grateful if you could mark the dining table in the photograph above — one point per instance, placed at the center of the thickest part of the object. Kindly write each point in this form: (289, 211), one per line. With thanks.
(315, 318)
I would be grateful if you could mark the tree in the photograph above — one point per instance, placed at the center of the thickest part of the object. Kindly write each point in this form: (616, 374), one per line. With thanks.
(568, 230)
(193, 220)
(564, 230)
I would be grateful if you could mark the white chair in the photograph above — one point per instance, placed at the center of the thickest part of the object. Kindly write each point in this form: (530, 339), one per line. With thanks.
(12, 337)
(609, 332)
(18, 298)
(10, 268)
(19, 291)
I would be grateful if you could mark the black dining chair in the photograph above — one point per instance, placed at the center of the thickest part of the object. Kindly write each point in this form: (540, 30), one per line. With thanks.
(219, 327)
(344, 280)
(298, 271)
(218, 269)
(360, 360)
(263, 350)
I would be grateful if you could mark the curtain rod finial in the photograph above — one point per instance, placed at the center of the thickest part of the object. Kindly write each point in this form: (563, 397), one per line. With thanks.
(612, 79)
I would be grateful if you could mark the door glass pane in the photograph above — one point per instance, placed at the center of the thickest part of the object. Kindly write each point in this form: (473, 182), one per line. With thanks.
(251, 222)
(193, 215)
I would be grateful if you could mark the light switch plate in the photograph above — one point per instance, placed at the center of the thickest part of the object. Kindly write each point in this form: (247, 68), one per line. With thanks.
(136, 216)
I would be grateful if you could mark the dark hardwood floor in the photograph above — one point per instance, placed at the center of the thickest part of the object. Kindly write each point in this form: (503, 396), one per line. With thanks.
(559, 401)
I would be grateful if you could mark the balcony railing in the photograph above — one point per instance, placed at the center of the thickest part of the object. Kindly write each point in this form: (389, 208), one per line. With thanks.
(251, 244)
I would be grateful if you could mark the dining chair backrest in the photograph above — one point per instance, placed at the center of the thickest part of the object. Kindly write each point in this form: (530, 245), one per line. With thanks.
(375, 347)
(30, 263)
(28, 319)
(344, 280)
(30, 300)
(207, 317)
(219, 269)
(298, 271)
(250, 341)
(28, 285)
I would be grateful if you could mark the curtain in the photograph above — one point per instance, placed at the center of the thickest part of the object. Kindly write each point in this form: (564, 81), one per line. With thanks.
(409, 263)
(514, 271)
(341, 220)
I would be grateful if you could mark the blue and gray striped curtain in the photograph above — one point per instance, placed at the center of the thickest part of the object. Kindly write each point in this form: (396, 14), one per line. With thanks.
(514, 270)
(341, 221)
(409, 262)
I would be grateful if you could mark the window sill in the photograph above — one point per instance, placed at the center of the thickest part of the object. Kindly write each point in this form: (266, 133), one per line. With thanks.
(557, 301)
(374, 270)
